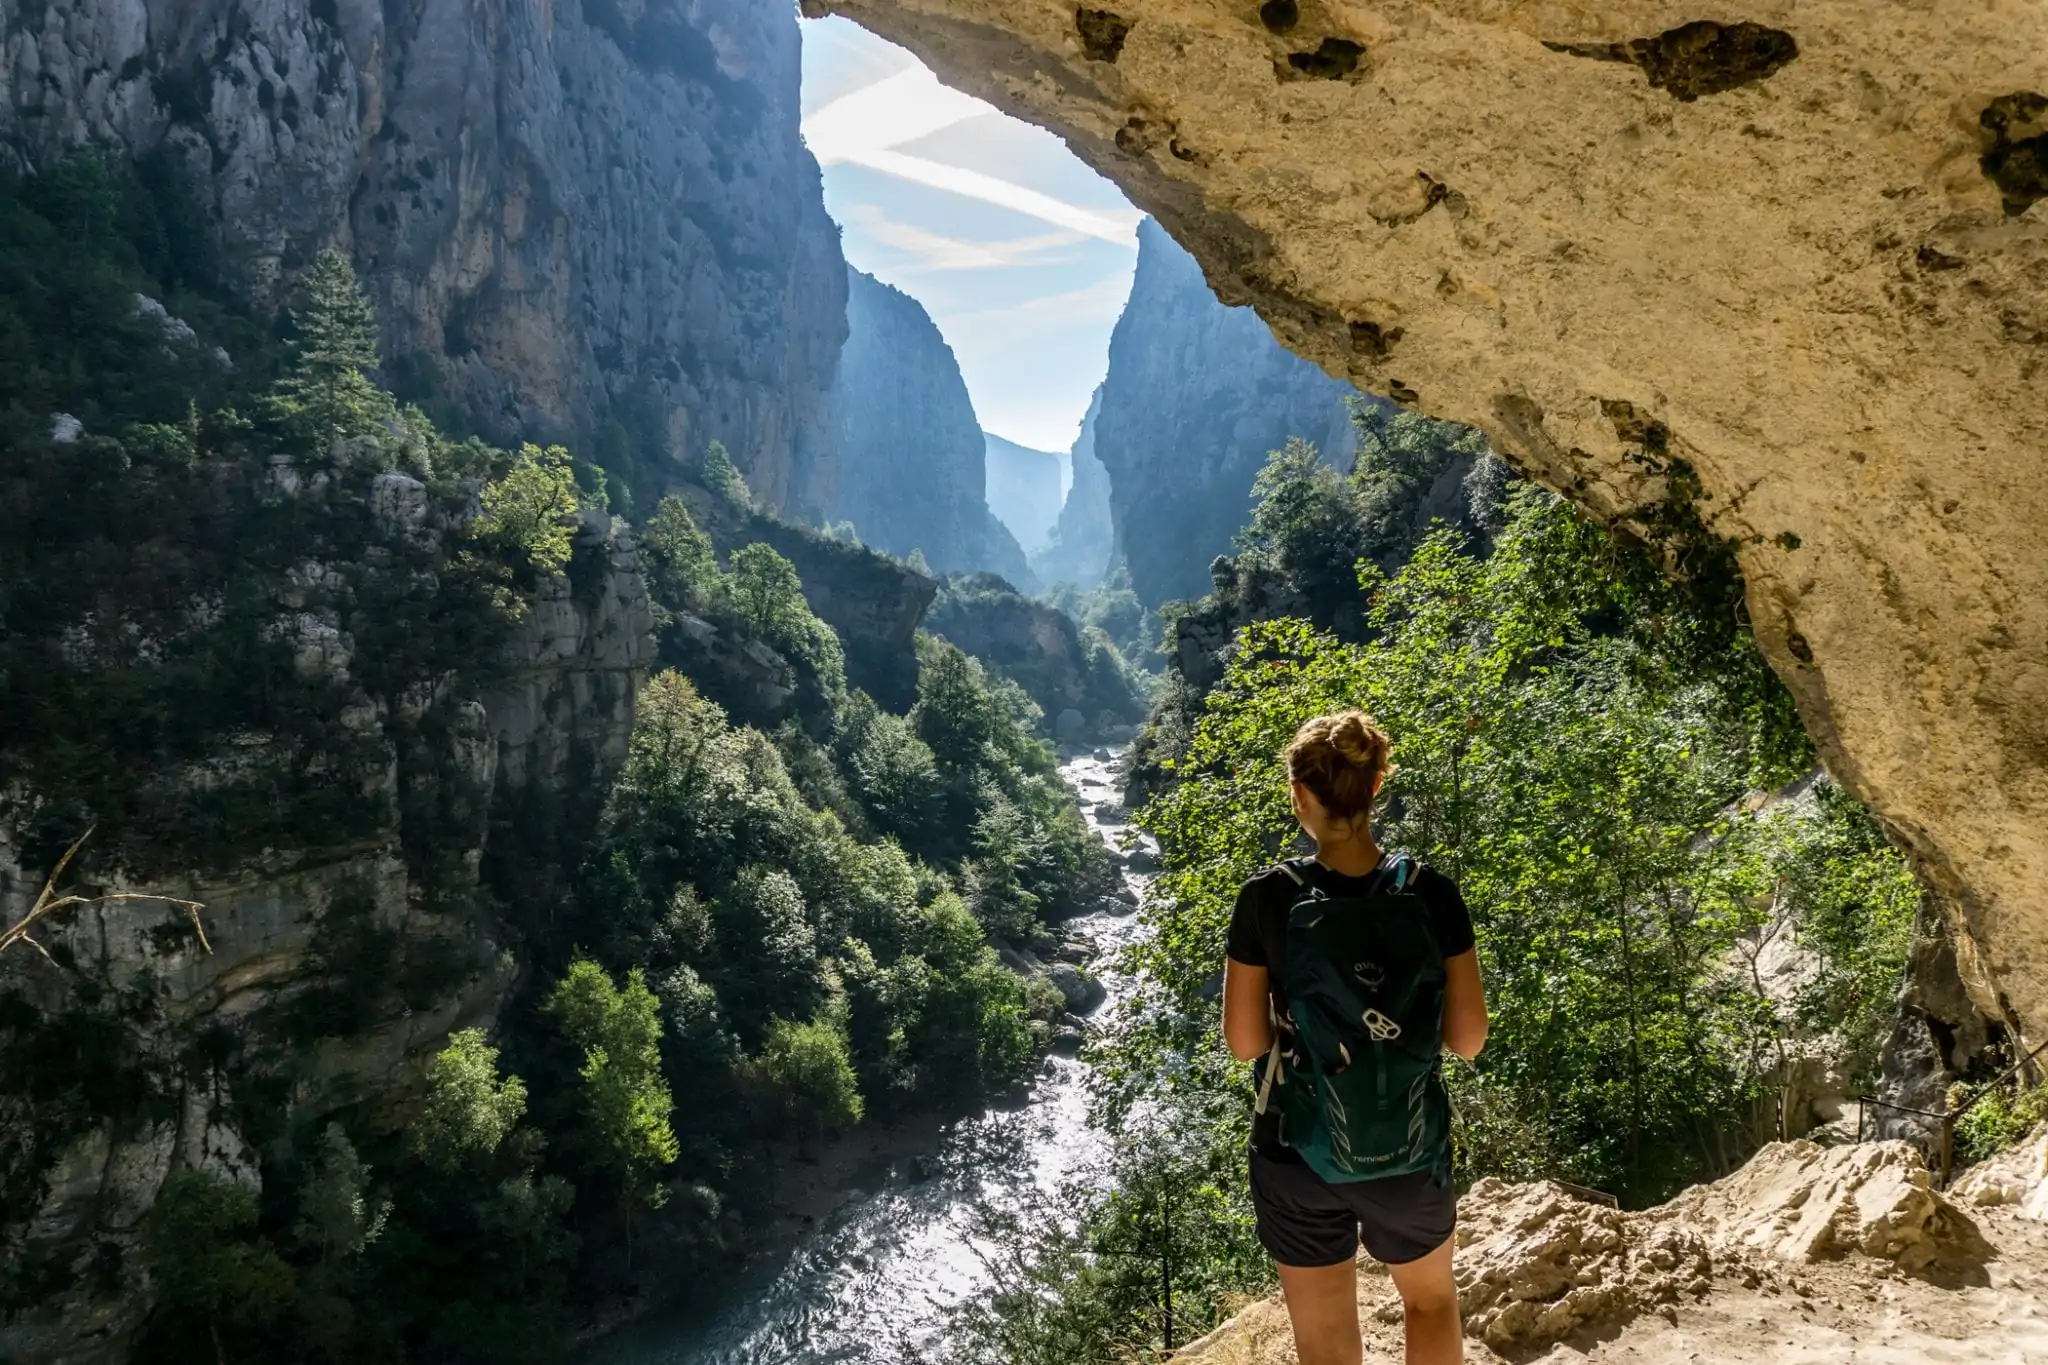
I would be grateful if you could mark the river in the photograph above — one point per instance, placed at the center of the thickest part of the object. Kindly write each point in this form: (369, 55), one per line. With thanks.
(873, 1284)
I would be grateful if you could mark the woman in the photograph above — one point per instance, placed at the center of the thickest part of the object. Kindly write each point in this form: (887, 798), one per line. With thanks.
(1313, 1227)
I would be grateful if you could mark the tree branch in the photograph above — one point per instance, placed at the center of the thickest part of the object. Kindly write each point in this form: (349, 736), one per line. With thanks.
(50, 903)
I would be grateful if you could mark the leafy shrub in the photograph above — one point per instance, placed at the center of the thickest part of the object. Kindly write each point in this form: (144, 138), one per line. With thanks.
(469, 1110)
(2002, 1119)
(682, 566)
(205, 1258)
(626, 1100)
(809, 1064)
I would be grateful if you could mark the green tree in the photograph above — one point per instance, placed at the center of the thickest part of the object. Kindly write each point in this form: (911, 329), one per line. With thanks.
(469, 1109)
(684, 566)
(626, 1100)
(326, 389)
(723, 477)
(337, 1217)
(767, 960)
(891, 772)
(529, 516)
(810, 1065)
(767, 598)
(207, 1259)
(767, 595)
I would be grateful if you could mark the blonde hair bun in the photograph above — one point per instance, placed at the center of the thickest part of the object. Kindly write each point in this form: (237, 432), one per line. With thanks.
(1342, 758)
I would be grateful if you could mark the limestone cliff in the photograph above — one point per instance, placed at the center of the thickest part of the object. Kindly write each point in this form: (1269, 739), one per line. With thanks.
(329, 971)
(1799, 248)
(593, 219)
(910, 448)
(1196, 395)
(1023, 490)
(1082, 539)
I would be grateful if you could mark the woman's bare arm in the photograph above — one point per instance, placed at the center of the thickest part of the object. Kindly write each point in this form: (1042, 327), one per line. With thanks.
(1247, 1026)
(1464, 1005)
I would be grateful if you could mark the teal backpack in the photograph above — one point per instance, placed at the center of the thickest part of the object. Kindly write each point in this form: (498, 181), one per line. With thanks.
(1361, 1092)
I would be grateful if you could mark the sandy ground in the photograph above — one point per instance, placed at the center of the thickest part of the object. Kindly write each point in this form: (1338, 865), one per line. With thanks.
(1851, 1311)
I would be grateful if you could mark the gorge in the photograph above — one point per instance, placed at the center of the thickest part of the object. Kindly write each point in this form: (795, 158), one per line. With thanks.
(469, 527)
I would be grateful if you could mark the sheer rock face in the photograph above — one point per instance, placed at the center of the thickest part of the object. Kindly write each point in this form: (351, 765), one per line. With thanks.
(911, 475)
(1803, 249)
(1081, 541)
(555, 205)
(1196, 396)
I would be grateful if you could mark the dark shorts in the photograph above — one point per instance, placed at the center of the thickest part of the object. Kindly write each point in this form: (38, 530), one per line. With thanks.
(1305, 1221)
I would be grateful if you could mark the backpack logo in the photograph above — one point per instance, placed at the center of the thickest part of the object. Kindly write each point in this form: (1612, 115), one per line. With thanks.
(1371, 973)
(1382, 1029)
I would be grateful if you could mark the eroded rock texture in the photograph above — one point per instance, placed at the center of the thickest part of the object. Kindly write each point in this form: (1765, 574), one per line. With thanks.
(910, 447)
(571, 216)
(1799, 246)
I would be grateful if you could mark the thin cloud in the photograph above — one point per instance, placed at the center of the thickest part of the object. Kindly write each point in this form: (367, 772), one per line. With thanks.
(887, 113)
(1104, 299)
(866, 127)
(1121, 228)
(936, 252)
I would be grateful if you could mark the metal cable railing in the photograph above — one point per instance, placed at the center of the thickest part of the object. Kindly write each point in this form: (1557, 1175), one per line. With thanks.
(1946, 1118)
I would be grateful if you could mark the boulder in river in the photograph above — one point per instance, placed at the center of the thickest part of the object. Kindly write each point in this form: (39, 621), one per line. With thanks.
(1083, 991)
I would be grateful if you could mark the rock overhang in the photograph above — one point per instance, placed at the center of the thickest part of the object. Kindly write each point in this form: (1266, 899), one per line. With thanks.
(1800, 247)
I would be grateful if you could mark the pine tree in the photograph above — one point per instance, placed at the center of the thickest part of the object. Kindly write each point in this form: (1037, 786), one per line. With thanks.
(326, 391)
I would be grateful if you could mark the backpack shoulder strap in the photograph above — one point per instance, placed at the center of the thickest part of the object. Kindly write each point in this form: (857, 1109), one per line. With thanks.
(1401, 870)
(1297, 872)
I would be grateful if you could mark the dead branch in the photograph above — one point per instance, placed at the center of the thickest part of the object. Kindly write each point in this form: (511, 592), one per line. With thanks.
(50, 903)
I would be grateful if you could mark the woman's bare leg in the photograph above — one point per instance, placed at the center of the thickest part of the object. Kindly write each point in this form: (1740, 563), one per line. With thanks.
(1429, 1302)
(1322, 1302)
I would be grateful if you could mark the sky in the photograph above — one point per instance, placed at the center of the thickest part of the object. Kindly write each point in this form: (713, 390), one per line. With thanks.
(1022, 254)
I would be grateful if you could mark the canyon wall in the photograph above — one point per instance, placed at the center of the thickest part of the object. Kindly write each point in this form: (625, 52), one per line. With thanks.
(328, 972)
(1777, 274)
(585, 220)
(912, 473)
(910, 448)
(1084, 535)
(1024, 490)
(1196, 395)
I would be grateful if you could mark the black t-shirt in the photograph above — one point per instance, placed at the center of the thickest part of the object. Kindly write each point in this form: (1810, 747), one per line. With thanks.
(1258, 938)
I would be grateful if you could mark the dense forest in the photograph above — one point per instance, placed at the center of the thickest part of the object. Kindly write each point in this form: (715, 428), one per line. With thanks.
(1685, 929)
(250, 603)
